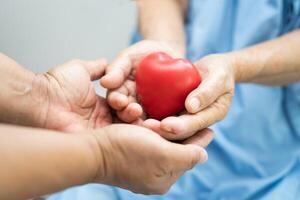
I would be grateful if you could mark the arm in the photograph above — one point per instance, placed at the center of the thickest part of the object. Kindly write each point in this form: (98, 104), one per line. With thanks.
(55, 99)
(275, 62)
(17, 105)
(163, 21)
(161, 24)
(36, 162)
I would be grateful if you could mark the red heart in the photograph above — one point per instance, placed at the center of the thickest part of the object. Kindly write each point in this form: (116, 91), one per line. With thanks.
(163, 83)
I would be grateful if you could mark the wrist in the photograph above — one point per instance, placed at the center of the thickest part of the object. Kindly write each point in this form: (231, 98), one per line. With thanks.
(177, 46)
(37, 101)
(226, 60)
(98, 145)
(246, 65)
(234, 60)
(18, 105)
(94, 157)
(175, 49)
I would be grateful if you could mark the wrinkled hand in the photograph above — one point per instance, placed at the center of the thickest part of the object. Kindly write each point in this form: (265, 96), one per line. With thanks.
(140, 160)
(120, 79)
(69, 100)
(205, 106)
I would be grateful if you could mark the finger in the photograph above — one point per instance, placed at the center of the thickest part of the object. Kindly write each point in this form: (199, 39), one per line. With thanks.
(187, 125)
(155, 126)
(173, 124)
(103, 113)
(202, 138)
(117, 72)
(138, 122)
(96, 68)
(117, 100)
(211, 88)
(131, 113)
(120, 98)
(187, 156)
(124, 101)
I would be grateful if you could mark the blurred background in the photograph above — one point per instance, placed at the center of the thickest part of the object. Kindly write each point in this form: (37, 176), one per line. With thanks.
(40, 34)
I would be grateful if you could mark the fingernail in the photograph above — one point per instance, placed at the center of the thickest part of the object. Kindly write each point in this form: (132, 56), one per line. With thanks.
(195, 104)
(204, 156)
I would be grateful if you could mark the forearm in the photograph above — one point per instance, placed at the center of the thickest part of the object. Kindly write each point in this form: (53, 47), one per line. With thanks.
(275, 62)
(36, 162)
(17, 105)
(163, 21)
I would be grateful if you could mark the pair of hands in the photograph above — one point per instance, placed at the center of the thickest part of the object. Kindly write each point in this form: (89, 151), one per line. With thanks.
(128, 156)
(205, 105)
(72, 105)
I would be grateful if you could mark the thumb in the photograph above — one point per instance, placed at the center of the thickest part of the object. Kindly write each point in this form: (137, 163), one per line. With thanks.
(204, 95)
(203, 138)
(117, 72)
(96, 68)
(187, 156)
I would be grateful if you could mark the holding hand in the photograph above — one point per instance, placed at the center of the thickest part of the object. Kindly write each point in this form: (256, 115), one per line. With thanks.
(140, 160)
(205, 105)
(68, 98)
(64, 99)
(120, 79)
(127, 156)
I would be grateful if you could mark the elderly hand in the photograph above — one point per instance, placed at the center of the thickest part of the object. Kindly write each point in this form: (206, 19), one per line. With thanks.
(120, 78)
(140, 160)
(205, 105)
(127, 156)
(68, 98)
(208, 103)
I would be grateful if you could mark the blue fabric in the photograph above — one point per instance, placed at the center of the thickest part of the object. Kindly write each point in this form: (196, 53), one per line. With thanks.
(256, 152)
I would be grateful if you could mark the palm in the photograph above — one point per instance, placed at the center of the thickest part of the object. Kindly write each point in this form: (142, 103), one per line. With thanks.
(120, 80)
(74, 104)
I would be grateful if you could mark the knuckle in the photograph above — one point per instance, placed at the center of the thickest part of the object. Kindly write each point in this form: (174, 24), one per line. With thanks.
(205, 96)
(221, 109)
(200, 123)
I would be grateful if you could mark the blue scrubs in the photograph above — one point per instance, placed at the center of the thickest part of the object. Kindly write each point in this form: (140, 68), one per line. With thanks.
(256, 152)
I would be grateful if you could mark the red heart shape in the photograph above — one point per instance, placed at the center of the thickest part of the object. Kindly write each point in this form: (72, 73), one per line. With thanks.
(163, 83)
